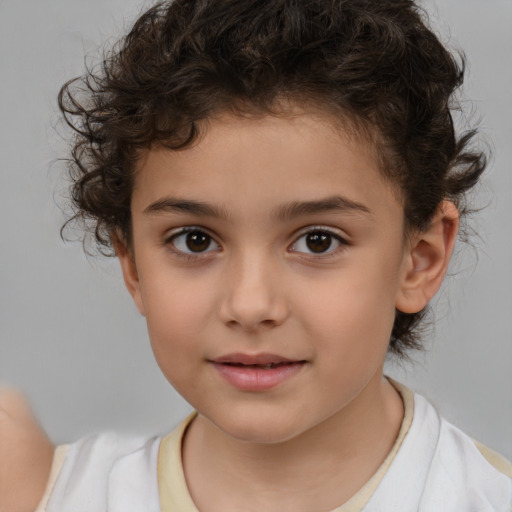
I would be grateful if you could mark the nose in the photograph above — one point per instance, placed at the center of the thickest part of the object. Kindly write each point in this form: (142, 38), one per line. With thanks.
(254, 298)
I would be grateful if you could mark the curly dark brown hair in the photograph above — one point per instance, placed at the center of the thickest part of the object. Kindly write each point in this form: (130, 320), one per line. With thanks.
(373, 64)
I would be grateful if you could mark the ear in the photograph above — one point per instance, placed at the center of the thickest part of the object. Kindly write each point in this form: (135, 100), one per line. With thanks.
(427, 259)
(129, 268)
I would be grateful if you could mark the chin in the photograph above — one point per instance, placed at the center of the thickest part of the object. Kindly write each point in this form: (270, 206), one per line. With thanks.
(259, 428)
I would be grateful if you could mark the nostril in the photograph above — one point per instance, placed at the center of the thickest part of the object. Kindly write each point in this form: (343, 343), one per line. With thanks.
(252, 327)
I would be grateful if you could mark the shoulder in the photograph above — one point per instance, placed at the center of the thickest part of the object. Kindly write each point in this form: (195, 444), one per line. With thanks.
(496, 460)
(26, 454)
(107, 470)
(439, 467)
(462, 472)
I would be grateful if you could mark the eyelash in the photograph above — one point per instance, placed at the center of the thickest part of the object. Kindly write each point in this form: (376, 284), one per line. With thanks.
(322, 230)
(170, 241)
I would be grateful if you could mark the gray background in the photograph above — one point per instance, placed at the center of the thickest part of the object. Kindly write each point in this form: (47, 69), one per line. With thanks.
(70, 337)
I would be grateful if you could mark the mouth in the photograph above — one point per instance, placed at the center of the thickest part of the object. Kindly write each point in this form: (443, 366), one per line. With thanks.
(258, 372)
(268, 366)
(260, 360)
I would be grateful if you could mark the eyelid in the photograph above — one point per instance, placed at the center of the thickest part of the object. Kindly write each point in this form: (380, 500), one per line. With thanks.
(183, 230)
(337, 234)
(186, 229)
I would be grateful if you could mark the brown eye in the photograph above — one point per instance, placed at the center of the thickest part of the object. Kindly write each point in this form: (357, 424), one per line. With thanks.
(193, 241)
(318, 242)
(197, 241)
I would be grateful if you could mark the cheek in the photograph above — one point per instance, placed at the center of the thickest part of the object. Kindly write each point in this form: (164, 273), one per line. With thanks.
(354, 312)
(351, 336)
(177, 314)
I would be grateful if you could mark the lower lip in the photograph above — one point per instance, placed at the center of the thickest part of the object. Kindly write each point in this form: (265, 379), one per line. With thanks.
(250, 378)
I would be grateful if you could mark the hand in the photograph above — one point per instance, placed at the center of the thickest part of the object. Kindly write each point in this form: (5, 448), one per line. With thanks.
(26, 455)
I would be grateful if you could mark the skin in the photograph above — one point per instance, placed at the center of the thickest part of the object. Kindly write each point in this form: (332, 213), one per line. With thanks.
(256, 287)
(26, 455)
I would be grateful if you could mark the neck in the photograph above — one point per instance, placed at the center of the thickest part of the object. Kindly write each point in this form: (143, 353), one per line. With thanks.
(320, 469)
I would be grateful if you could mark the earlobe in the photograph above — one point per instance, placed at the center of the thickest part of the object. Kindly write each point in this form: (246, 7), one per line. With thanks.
(129, 269)
(427, 259)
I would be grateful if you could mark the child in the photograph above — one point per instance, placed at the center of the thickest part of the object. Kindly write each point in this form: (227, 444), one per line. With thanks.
(282, 185)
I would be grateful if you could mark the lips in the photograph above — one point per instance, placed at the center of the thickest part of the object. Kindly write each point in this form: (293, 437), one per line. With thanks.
(258, 372)
(253, 359)
(267, 366)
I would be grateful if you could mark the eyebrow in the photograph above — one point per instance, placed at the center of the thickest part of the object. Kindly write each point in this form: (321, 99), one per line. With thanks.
(336, 204)
(175, 205)
(282, 213)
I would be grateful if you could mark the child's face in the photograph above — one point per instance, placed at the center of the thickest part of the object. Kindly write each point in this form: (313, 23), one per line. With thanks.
(271, 240)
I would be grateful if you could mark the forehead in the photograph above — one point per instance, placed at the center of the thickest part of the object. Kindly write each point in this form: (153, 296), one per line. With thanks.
(250, 164)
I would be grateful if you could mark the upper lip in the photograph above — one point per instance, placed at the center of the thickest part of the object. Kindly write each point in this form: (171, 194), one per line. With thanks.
(253, 359)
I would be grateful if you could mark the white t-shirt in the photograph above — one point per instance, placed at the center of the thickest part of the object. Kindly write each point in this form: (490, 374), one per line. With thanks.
(432, 467)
